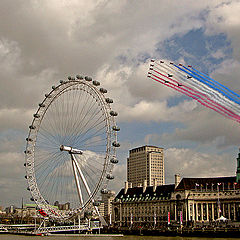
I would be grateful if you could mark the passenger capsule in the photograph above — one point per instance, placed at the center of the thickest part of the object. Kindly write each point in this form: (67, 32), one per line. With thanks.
(104, 191)
(96, 83)
(28, 188)
(29, 139)
(109, 100)
(24, 164)
(114, 114)
(54, 87)
(61, 81)
(110, 176)
(32, 199)
(89, 79)
(114, 160)
(116, 144)
(36, 115)
(69, 78)
(27, 152)
(103, 90)
(47, 95)
(32, 127)
(41, 105)
(79, 77)
(26, 176)
(116, 128)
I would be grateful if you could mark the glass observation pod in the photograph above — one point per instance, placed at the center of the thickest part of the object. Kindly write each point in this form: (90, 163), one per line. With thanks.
(109, 100)
(41, 105)
(96, 83)
(47, 95)
(89, 79)
(110, 177)
(116, 128)
(79, 77)
(113, 113)
(113, 160)
(103, 90)
(36, 115)
(116, 144)
(104, 191)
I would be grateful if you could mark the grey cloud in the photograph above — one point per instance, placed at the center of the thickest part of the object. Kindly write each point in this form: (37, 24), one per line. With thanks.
(206, 126)
(189, 163)
(44, 41)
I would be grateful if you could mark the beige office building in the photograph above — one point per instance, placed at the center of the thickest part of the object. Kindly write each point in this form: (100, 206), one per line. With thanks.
(145, 163)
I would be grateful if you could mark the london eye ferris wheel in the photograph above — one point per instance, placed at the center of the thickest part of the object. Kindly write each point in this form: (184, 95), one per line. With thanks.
(71, 147)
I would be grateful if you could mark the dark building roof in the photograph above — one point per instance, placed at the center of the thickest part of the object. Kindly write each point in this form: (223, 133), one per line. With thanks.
(142, 148)
(134, 194)
(193, 183)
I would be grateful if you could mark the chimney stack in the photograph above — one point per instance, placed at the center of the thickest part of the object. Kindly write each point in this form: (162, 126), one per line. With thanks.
(154, 184)
(177, 179)
(126, 187)
(144, 185)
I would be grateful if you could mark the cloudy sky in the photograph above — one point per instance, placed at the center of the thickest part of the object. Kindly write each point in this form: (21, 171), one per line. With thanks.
(43, 41)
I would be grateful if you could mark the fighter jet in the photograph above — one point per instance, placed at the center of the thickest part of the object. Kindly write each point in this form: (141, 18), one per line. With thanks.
(189, 77)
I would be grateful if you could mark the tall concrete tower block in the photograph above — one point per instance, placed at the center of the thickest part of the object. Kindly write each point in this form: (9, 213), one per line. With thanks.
(145, 163)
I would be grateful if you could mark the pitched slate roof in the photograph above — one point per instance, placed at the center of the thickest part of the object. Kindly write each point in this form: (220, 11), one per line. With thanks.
(193, 183)
(134, 194)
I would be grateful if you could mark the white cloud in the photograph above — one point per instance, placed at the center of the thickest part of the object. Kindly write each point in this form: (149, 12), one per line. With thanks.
(156, 111)
(224, 19)
(189, 163)
(44, 41)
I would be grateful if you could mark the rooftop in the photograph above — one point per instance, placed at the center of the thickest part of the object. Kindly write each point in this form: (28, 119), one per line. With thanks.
(134, 194)
(191, 183)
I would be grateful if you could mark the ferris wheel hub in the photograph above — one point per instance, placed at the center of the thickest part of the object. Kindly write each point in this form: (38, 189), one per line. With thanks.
(70, 150)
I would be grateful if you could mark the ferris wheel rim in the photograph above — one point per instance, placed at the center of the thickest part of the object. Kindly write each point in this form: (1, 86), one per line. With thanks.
(33, 135)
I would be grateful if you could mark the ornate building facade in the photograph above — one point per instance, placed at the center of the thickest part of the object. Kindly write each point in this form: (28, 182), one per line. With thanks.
(188, 201)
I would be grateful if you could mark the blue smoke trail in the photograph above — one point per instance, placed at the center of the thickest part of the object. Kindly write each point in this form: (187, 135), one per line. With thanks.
(199, 78)
(228, 89)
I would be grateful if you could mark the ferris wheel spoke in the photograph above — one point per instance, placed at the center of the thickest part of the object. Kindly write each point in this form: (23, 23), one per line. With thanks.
(91, 117)
(43, 173)
(85, 101)
(86, 162)
(95, 135)
(51, 182)
(82, 117)
(93, 126)
(57, 117)
(75, 114)
(94, 143)
(48, 125)
(83, 114)
(47, 136)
